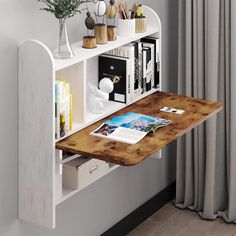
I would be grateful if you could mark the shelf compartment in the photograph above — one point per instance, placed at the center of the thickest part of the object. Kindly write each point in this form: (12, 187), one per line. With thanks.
(111, 108)
(67, 192)
(82, 54)
(197, 111)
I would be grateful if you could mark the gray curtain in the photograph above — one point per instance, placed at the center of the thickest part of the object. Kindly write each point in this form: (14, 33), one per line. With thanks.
(206, 157)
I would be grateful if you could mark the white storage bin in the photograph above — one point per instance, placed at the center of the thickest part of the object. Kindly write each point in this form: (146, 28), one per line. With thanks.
(126, 27)
(81, 172)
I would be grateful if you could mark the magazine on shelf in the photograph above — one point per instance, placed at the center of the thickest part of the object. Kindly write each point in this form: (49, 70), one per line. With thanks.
(129, 128)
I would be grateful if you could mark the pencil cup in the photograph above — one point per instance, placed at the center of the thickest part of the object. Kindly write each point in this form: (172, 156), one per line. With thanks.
(141, 25)
(126, 27)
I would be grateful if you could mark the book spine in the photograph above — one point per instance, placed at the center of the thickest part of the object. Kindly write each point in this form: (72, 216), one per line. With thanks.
(71, 125)
(56, 117)
(136, 69)
(144, 76)
(59, 94)
(67, 107)
(157, 77)
(148, 69)
(153, 66)
(140, 59)
(128, 81)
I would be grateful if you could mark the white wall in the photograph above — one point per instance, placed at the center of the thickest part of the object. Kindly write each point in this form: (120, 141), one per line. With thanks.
(101, 205)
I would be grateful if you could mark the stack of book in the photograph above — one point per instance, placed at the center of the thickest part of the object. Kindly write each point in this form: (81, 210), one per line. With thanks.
(134, 68)
(63, 108)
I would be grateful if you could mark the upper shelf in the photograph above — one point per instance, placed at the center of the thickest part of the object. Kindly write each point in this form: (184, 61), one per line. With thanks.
(196, 111)
(82, 54)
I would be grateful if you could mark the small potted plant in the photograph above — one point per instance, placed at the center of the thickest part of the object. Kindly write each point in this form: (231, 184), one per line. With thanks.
(62, 10)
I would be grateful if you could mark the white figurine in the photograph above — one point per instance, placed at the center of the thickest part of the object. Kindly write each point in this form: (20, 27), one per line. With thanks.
(99, 97)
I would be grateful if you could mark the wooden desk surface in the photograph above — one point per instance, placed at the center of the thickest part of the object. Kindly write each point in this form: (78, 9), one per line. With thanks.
(197, 111)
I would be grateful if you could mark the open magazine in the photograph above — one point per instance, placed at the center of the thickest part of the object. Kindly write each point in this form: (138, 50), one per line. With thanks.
(129, 128)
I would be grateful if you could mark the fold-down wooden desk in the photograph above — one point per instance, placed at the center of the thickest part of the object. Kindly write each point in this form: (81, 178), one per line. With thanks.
(196, 111)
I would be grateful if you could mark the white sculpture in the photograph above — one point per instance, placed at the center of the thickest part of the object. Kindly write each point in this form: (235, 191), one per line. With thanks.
(99, 97)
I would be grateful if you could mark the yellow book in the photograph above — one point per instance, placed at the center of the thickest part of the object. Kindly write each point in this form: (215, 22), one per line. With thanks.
(70, 112)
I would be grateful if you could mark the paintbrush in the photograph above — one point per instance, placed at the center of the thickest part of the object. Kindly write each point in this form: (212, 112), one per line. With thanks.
(133, 11)
(127, 10)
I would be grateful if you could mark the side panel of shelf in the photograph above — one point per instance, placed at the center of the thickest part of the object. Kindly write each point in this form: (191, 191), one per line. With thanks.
(36, 134)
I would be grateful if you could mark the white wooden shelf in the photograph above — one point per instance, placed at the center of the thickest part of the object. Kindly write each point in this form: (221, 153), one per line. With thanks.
(82, 54)
(39, 161)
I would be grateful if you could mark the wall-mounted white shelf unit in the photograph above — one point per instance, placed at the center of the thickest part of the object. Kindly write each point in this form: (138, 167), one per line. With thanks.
(40, 185)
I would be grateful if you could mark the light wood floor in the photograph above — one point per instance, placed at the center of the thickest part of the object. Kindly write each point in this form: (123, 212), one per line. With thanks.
(171, 221)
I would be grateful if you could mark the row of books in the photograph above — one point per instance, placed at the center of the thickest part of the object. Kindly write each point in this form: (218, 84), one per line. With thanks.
(63, 108)
(133, 68)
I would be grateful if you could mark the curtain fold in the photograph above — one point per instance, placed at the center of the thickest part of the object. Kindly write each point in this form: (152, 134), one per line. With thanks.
(206, 157)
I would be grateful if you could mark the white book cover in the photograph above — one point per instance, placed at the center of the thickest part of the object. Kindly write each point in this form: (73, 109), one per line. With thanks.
(152, 46)
(144, 71)
(140, 90)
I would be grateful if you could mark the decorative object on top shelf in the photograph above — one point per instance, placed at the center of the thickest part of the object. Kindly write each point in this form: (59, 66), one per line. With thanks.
(140, 20)
(126, 21)
(62, 10)
(100, 8)
(111, 15)
(100, 27)
(89, 41)
(99, 97)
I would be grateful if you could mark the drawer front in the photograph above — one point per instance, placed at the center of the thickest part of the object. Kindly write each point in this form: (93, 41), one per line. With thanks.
(91, 171)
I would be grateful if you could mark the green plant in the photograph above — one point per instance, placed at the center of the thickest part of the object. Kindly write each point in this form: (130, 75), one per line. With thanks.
(63, 8)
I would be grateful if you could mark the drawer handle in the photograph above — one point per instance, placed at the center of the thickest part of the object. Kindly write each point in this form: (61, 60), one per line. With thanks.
(93, 169)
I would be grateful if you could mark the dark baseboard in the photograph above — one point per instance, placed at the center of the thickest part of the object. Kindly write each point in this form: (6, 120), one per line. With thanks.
(139, 215)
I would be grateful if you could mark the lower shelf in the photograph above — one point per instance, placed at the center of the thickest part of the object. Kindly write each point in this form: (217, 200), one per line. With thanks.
(67, 193)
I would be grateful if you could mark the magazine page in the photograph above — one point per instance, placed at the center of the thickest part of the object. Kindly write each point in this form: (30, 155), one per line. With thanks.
(130, 127)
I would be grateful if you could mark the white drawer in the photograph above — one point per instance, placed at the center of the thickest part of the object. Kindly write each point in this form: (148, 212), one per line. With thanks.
(81, 172)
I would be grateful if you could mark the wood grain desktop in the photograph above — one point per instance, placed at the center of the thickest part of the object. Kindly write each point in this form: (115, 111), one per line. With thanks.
(197, 111)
